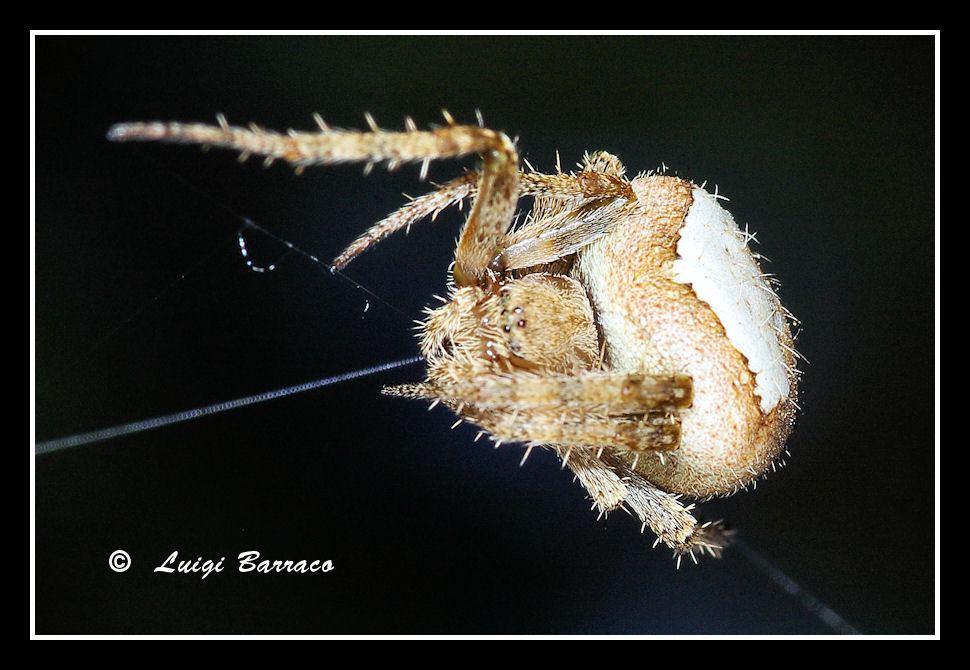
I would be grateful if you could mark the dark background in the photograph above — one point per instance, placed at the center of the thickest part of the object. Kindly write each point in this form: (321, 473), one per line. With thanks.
(825, 146)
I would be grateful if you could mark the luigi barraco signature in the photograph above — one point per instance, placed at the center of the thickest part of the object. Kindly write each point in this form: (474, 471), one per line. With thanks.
(248, 561)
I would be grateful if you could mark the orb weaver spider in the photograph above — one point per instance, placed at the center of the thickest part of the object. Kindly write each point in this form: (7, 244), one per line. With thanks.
(624, 324)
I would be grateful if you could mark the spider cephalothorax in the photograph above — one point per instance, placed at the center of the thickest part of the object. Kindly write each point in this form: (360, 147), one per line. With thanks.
(625, 324)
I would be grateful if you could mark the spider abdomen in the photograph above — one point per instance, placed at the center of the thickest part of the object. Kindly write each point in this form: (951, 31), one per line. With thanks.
(675, 290)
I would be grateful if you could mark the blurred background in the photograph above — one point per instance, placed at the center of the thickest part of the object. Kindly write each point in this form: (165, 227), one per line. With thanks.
(825, 147)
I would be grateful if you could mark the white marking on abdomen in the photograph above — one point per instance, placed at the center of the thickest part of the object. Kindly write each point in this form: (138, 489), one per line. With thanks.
(714, 259)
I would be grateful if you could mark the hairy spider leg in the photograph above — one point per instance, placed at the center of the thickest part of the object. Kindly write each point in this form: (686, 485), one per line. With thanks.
(497, 188)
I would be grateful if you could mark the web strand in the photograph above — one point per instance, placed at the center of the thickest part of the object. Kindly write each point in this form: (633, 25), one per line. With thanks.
(823, 612)
(186, 415)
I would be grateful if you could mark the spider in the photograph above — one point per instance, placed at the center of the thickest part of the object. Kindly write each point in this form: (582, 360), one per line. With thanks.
(623, 324)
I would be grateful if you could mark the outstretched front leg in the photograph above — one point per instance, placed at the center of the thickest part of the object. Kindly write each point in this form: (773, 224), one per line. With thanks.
(496, 192)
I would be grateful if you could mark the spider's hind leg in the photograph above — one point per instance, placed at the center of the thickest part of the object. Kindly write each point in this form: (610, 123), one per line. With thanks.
(666, 516)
